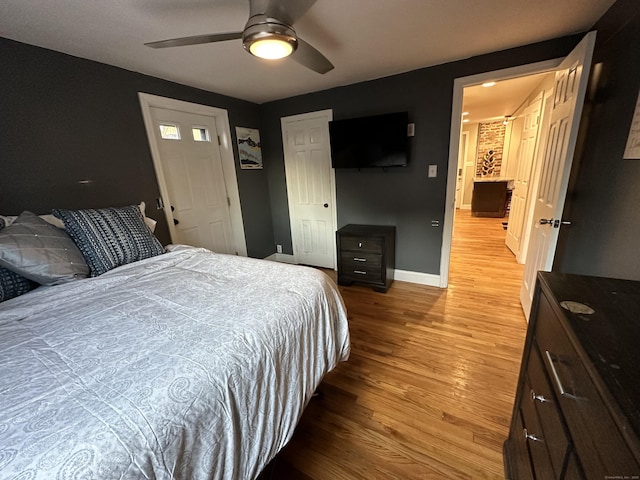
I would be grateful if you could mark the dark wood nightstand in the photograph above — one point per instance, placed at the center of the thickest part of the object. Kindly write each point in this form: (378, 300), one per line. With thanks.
(366, 254)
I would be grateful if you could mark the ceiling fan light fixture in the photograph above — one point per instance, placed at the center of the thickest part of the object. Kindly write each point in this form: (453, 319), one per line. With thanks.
(271, 48)
(270, 41)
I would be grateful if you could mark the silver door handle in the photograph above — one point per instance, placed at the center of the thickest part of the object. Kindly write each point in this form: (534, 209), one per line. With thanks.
(554, 223)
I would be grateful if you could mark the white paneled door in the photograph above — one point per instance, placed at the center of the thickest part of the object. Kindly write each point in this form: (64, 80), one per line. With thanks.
(520, 194)
(570, 86)
(192, 170)
(310, 188)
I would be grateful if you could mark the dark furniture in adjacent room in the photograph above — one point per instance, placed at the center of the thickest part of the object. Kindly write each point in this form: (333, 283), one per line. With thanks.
(489, 198)
(577, 407)
(366, 254)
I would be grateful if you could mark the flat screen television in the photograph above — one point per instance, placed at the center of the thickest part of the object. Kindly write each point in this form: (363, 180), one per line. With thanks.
(375, 141)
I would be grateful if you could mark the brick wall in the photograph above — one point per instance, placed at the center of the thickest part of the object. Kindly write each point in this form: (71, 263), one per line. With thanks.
(490, 144)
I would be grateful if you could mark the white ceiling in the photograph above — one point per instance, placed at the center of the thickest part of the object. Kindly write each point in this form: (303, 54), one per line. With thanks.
(500, 100)
(364, 39)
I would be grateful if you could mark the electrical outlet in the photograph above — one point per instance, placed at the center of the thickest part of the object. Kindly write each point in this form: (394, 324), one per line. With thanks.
(279, 248)
(411, 129)
(433, 171)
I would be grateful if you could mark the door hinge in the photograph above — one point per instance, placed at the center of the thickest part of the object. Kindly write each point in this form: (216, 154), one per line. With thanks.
(228, 201)
(219, 141)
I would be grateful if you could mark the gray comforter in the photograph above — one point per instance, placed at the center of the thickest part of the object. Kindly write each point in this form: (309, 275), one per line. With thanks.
(189, 365)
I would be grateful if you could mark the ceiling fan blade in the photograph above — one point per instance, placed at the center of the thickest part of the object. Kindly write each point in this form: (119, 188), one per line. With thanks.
(195, 40)
(288, 11)
(311, 58)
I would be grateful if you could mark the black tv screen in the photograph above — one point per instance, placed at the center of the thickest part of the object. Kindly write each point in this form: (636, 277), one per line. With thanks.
(376, 141)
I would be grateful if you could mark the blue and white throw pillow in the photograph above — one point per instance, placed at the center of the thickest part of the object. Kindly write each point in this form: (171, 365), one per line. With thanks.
(13, 285)
(110, 237)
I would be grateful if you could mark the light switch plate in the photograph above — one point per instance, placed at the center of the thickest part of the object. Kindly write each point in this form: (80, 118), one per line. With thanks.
(433, 171)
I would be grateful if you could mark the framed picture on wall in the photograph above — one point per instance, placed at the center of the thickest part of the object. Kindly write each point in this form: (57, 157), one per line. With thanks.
(249, 148)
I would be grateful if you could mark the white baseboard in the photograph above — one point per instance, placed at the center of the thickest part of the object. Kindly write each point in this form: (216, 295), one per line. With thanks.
(418, 277)
(400, 275)
(281, 257)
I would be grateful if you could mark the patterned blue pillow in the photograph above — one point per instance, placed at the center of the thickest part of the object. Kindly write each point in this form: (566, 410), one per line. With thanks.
(13, 285)
(110, 237)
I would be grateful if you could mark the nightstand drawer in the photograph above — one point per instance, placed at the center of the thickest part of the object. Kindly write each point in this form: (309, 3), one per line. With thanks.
(367, 273)
(359, 260)
(363, 244)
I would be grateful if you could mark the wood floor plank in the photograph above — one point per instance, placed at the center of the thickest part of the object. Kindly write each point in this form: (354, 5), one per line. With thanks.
(428, 390)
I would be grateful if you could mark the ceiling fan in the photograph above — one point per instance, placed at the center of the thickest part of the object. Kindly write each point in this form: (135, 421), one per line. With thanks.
(267, 34)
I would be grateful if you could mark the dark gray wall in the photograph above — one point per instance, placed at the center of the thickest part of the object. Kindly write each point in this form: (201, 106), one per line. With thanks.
(403, 197)
(604, 195)
(64, 119)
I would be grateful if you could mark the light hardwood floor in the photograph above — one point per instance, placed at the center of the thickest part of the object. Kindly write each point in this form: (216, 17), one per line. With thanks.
(429, 387)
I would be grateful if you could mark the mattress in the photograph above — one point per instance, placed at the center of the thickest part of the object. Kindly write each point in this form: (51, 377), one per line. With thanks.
(187, 365)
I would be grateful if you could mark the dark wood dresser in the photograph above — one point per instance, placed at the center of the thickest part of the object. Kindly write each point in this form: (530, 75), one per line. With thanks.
(366, 254)
(577, 406)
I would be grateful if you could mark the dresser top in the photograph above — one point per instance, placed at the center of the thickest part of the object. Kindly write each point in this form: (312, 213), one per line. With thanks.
(610, 336)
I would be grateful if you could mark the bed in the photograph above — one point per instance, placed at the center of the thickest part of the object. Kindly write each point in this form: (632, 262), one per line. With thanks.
(183, 365)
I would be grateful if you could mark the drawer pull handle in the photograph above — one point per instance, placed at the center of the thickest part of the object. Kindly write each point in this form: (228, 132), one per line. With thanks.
(359, 259)
(529, 436)
(360, 272)
(556, 377)
(360, 244)
(540, 398)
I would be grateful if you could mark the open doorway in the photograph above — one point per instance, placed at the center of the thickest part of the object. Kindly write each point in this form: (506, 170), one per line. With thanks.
(500, 136)
(570, 82)
(490, 109)
(501, 130)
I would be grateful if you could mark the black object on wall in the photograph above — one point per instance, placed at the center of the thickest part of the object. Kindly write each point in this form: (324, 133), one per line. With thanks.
(604, 189)
(370, 142)
(66, 119)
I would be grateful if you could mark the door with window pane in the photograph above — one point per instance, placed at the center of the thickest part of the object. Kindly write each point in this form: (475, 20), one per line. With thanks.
(192, 170)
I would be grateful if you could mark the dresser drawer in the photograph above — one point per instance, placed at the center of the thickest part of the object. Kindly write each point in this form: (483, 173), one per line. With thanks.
(598, 443)
(370, 244)
(573, 471)
(519, 463)
(541, 396)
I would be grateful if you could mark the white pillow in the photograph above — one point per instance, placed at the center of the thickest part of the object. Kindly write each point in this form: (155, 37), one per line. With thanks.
(149, 222)
(9, 219)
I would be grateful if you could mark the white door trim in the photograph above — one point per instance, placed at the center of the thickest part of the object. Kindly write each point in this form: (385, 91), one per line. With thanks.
(221, 118)
(456, 115)
(328, 115)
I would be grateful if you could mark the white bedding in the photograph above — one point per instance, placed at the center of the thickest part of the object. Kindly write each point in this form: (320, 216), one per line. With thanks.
(189, 365)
